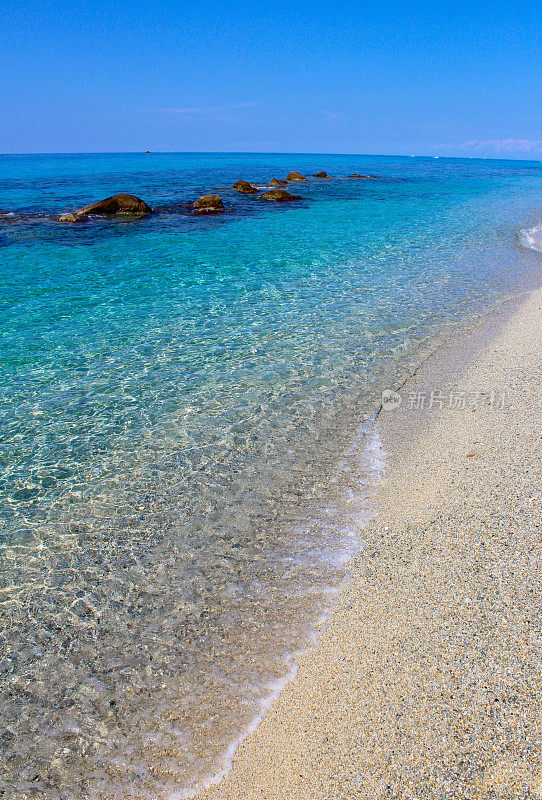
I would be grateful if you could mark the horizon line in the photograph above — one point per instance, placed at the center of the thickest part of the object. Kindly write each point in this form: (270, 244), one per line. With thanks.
(432, 156)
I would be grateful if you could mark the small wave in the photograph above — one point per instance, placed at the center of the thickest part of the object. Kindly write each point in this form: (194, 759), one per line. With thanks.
(531, 238)
(360, 471)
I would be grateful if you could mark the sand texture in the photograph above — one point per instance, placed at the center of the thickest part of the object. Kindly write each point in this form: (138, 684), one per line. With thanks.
(427, 681)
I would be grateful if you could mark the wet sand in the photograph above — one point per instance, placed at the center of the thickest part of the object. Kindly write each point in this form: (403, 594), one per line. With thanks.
(427, 681)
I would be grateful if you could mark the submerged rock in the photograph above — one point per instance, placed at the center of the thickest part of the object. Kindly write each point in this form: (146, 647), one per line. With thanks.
(321, 175)
(365, 177)
(8, 216)
(208, 204)
(277, 182)
(295, 176)
(278, 196)
(73, 216)
(244, 187)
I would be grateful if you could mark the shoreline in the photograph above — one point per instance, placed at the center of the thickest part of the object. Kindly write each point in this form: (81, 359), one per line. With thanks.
(439, 617)
(170, 555)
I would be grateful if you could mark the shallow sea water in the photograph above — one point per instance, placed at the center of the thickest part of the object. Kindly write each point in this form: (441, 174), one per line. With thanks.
(187, 452)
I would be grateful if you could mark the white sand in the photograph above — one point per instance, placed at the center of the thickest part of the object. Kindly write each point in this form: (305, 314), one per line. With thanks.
(427, 682)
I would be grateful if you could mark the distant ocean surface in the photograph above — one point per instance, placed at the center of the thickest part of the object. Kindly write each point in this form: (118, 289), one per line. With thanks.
(187, 452)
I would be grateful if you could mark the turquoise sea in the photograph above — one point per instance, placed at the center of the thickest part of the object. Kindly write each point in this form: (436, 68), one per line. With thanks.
(187, 451)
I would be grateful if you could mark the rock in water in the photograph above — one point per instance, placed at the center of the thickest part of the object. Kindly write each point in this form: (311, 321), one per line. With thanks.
(244, 187)
(321, 175)
(209, 204)
(277, 182)
(295, 176)
(365, 177)
(73, 216)
(278, 196)
(127, 204)
(118, 204)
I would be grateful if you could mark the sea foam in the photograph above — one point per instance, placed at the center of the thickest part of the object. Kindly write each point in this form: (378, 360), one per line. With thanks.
(532, 237)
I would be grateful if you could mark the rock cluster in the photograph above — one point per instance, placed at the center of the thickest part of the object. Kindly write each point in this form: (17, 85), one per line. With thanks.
(130, 205)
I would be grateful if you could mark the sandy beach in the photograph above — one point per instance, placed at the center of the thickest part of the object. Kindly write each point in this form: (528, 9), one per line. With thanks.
(427, 681)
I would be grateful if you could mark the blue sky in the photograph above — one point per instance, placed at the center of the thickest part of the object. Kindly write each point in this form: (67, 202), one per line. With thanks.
(447, 78)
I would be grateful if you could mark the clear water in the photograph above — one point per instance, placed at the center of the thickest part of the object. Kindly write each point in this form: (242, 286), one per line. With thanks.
(186, 452)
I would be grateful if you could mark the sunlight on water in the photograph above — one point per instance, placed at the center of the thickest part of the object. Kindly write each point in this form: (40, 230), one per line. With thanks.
(186, 450)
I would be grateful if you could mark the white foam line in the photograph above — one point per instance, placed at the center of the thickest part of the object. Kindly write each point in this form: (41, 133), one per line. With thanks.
(227, 758)
(373, 460)
(531, 238)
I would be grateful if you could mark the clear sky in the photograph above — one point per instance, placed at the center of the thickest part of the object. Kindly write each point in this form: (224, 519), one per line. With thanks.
(331, 76)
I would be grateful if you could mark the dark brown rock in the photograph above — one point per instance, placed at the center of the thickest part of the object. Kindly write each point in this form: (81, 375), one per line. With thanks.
(244, 187)
(321, 175)
(277, 182)
(209, 204)
(209, 201)
(295, 176)
(278, 196)
(118, 204)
